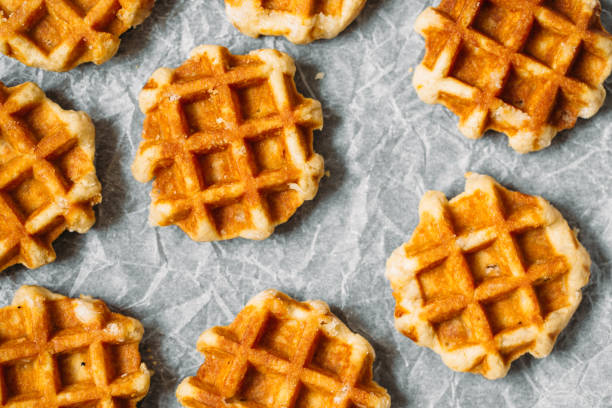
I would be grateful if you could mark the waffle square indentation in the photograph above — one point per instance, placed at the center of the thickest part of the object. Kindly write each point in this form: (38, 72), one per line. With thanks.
(268, 152)
(506, 313)
(74, 368)
(330, 356)
(20, 381)
(218, 167)
(260, 387)
(256, 99)
(310, 397)
(497, 22)
(470, 63)
(281, 336)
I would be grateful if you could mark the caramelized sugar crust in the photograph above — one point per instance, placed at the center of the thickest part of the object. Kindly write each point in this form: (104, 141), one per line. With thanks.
(486, 277)
(58, 35)
(61, 352)
(282, 353)
(228, 140)
(525, 68)
(300, 21)
(48, 180)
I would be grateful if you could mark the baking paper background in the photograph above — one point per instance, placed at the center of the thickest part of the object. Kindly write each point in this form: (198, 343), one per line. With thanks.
(383, 149)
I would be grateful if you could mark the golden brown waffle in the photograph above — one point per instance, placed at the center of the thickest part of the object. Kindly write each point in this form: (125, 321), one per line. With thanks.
(58, 35)
(487, 277)
(229, 141)
(60, 352)
(48, 181)
(300, 21)
(283, 353)
(526, 68)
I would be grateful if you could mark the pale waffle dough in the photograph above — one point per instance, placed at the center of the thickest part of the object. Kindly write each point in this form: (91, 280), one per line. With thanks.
(58, 35)
(487, 277)
(526, 68)
(48, 180)
(300, 21)
(228, 140)
(283, 353)
(60, 352)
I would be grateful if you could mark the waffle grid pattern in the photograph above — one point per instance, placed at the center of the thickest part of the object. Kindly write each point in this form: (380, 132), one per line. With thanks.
(49, 358)
(281, 353)
(229, 141)
(47, 179)
(60, 34)
(487, 277)
(527, 68)
(300, 21)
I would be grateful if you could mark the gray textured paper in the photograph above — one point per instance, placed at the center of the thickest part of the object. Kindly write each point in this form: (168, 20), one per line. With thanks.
(384, 149)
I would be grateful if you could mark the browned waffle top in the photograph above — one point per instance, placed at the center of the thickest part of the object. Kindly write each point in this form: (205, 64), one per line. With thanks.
(58, 35)
(48, 180)
(527, 68)
(300, 21)
(283, 353)
(228, 140)
(60, 352)
(487, 277)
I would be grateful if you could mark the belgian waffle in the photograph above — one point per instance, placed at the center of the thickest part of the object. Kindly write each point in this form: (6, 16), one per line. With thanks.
(283, 353)
(48, 180)
(58, 35)
(229, 141)
(526, 68)
(487, 277)
(60, 352)
(300, 21)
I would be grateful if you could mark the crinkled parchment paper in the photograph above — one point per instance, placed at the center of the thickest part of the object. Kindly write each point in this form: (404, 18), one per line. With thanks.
(384, 149)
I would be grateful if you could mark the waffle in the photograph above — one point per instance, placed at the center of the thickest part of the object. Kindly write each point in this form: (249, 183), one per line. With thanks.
(58, 35)
(283, 353)
(60, 352)
(229, 141)
(487, 277)
(526, 68)
(300, 21)
(48, 181)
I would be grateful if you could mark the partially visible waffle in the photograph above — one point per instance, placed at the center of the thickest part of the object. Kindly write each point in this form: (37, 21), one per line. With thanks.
(58, 35)
(228, 140)
(61, 352)
(300, 21)
(526, 68)
(283, 353)
(48, 180)
(487, 277)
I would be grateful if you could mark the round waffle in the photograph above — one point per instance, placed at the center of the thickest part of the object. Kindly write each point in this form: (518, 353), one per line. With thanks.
(58, 35)
(283, 353)
(486, 277)
(48, 180)
(61, 352)
(300, 21)
(228, 140)
(525, 68)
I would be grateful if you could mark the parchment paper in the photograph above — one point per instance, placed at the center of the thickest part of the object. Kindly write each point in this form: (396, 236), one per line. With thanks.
(384, 149)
